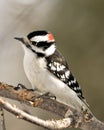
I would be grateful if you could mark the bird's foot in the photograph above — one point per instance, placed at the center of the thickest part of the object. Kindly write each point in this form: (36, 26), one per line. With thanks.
(21, 86)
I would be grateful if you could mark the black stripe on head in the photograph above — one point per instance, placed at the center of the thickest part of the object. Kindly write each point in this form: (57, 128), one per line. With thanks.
(44, 44)
(39, 54)
(36, 33)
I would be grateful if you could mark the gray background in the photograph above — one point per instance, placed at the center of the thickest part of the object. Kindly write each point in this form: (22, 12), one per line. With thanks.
(78, 26)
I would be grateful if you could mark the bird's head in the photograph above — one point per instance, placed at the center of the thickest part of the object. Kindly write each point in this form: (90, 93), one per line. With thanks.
(39, 42)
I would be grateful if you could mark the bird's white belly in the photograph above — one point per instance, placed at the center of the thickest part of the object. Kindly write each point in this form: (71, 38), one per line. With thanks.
(39, 76)
(44, 81)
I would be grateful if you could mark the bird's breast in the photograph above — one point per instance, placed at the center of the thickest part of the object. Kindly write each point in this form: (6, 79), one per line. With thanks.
(45, 81)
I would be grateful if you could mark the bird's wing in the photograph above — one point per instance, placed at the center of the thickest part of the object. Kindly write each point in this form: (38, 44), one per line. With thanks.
(58, 66)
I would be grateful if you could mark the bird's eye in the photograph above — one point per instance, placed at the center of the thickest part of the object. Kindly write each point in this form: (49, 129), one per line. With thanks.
(34, 43)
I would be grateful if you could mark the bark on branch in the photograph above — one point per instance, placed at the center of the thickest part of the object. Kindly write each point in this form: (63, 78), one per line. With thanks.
(70, 116)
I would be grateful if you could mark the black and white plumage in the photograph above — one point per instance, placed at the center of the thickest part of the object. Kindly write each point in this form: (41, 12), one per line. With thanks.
(47, 69)
(60, 69)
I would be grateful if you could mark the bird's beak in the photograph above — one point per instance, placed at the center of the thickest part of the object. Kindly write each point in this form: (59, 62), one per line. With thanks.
(23, 40)
(19, 39)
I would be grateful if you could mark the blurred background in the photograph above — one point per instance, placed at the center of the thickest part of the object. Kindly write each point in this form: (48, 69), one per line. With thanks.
(78, 26)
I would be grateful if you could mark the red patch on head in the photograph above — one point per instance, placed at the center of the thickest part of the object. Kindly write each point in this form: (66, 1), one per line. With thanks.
(50, 37)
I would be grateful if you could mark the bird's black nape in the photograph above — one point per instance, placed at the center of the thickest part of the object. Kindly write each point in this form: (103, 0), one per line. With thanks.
(36, 33)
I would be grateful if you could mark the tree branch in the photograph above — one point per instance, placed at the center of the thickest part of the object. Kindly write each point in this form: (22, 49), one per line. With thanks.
(71, 117)
(58, 124)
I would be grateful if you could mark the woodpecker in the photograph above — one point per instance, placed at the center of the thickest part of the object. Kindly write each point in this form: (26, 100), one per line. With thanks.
(47, 70)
